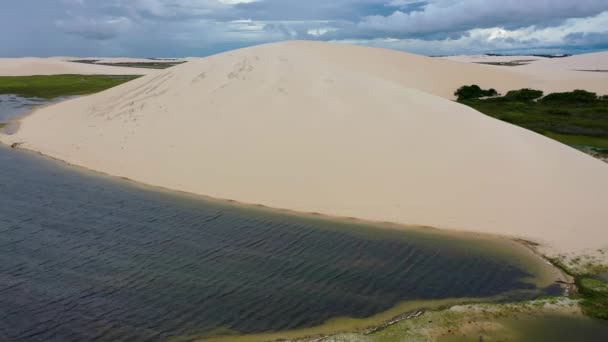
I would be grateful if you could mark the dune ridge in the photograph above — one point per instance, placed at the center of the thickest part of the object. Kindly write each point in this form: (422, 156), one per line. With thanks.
(339, 130)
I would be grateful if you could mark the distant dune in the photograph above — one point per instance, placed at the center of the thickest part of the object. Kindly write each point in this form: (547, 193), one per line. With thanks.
(340, 130)
(120, 59)
(492, 59)
(52, 66)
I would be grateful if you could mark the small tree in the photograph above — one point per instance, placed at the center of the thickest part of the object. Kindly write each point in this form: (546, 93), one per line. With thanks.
(525, 94)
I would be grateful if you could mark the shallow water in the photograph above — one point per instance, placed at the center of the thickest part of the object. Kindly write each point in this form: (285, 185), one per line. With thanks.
(89, 257)
(12, 106)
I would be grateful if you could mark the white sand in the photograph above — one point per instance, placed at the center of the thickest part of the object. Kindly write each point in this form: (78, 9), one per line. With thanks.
(590, 61)
(339, 130)
(51, 66)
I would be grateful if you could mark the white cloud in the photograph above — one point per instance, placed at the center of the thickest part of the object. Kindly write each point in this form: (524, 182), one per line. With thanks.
(319, 31)
(561, 38)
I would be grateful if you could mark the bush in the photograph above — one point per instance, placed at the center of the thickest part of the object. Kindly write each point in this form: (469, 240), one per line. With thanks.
(577, 96)
(473, 92)
(525, 94)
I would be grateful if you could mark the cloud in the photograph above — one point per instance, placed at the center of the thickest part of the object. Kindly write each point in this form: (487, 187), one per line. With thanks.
(572, 35)
(200, 27)
(445, 16)
(95, 28)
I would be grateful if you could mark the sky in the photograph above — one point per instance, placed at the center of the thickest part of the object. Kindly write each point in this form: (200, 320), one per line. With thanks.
(180, 28)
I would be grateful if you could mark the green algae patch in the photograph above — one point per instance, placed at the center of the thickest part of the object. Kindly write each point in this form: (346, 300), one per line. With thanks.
(52, 86)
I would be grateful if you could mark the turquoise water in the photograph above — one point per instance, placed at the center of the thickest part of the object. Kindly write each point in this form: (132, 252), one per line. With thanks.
(87, 257)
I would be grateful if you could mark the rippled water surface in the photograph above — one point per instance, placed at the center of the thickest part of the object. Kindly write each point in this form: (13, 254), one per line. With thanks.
(86, 257)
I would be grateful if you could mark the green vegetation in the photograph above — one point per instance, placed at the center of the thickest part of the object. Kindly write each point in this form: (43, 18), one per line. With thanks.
(592, 290)
(511, 63)
(594, 293)
(523, 95)
(578, 118)
(473, 92)
(145, 65)
(475, 322)
(49, 87)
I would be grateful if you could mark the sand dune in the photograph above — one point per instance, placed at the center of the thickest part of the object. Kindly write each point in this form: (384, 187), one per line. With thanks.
(52, 66)
(553, 74)
(338, 130)
(589, 61)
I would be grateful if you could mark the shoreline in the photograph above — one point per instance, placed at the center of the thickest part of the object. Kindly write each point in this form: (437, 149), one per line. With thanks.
(534, 246)
(529, 245)
(392, 316)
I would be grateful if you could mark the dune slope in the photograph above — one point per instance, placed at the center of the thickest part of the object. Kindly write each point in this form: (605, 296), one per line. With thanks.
(338, 130)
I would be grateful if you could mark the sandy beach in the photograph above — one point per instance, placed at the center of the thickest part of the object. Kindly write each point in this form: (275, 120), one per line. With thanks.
(343, 131)
(53, 66)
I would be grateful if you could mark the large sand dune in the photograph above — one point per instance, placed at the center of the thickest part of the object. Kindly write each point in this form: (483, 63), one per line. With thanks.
(585, 62)
(339, 130)
(53, 66)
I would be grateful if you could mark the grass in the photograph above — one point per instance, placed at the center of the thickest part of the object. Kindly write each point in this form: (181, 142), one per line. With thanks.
(48, 87)
(570, 119)
(594, 293)
(579, 140)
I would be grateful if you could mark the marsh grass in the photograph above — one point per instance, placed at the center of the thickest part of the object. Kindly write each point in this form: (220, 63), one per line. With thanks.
(52, 86)
(592, 292)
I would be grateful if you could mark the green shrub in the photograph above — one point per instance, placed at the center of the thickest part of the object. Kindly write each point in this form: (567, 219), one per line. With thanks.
(574, 123)
(473, 92)
(577, 97)
(525, 94)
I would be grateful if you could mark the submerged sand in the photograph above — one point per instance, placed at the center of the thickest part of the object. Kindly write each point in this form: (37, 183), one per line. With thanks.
(343, 131)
